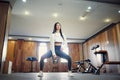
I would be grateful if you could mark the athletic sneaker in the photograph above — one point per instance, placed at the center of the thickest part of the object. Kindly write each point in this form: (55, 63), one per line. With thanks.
(70, 74)
(40, 74)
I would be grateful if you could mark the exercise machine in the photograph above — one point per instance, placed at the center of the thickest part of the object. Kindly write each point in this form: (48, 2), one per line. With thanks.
(89, 69)
(80, 66)
(105, 59)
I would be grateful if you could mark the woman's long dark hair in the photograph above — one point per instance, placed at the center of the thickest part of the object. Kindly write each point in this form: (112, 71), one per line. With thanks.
(54, 30)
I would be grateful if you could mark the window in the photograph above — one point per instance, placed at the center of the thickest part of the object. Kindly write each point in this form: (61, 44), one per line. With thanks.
(42, 49)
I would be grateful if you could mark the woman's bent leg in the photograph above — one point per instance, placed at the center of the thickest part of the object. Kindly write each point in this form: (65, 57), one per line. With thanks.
(47, 55)
(65, 56)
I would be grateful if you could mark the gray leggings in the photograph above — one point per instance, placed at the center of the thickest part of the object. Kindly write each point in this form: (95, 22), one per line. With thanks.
(58, 53)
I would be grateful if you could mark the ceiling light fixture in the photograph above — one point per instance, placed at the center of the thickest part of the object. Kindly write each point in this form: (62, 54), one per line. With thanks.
(107, 20)
(55, 15)
(27, 13)
(82, 18)
(89, 8)
(118, 11)
(24, 1)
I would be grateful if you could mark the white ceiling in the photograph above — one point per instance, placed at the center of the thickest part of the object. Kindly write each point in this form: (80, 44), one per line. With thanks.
(40, 21)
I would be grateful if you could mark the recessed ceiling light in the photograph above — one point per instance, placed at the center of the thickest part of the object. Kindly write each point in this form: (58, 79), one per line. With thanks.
(27, 12)
(107, 20)
(89, 8)
(24, 1)
(119, 11)
(82, 18)
(55, 15)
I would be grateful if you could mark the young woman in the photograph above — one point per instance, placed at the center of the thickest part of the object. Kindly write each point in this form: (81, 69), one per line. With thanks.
(57, 39)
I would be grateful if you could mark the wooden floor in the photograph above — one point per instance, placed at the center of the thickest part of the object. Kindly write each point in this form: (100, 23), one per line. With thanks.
(58, 76)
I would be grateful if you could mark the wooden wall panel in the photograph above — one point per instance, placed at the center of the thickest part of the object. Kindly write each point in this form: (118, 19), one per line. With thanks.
(10, 51)
(3, 17)
(91, 54)
(17, 63)
(107, 40)
(113, 48)
(10, 54)
(113, 45)
(118, 37)
(23, 49)
(85, 50)
(103, 40)
(74, 51)
(5, 14)
(29, 50)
